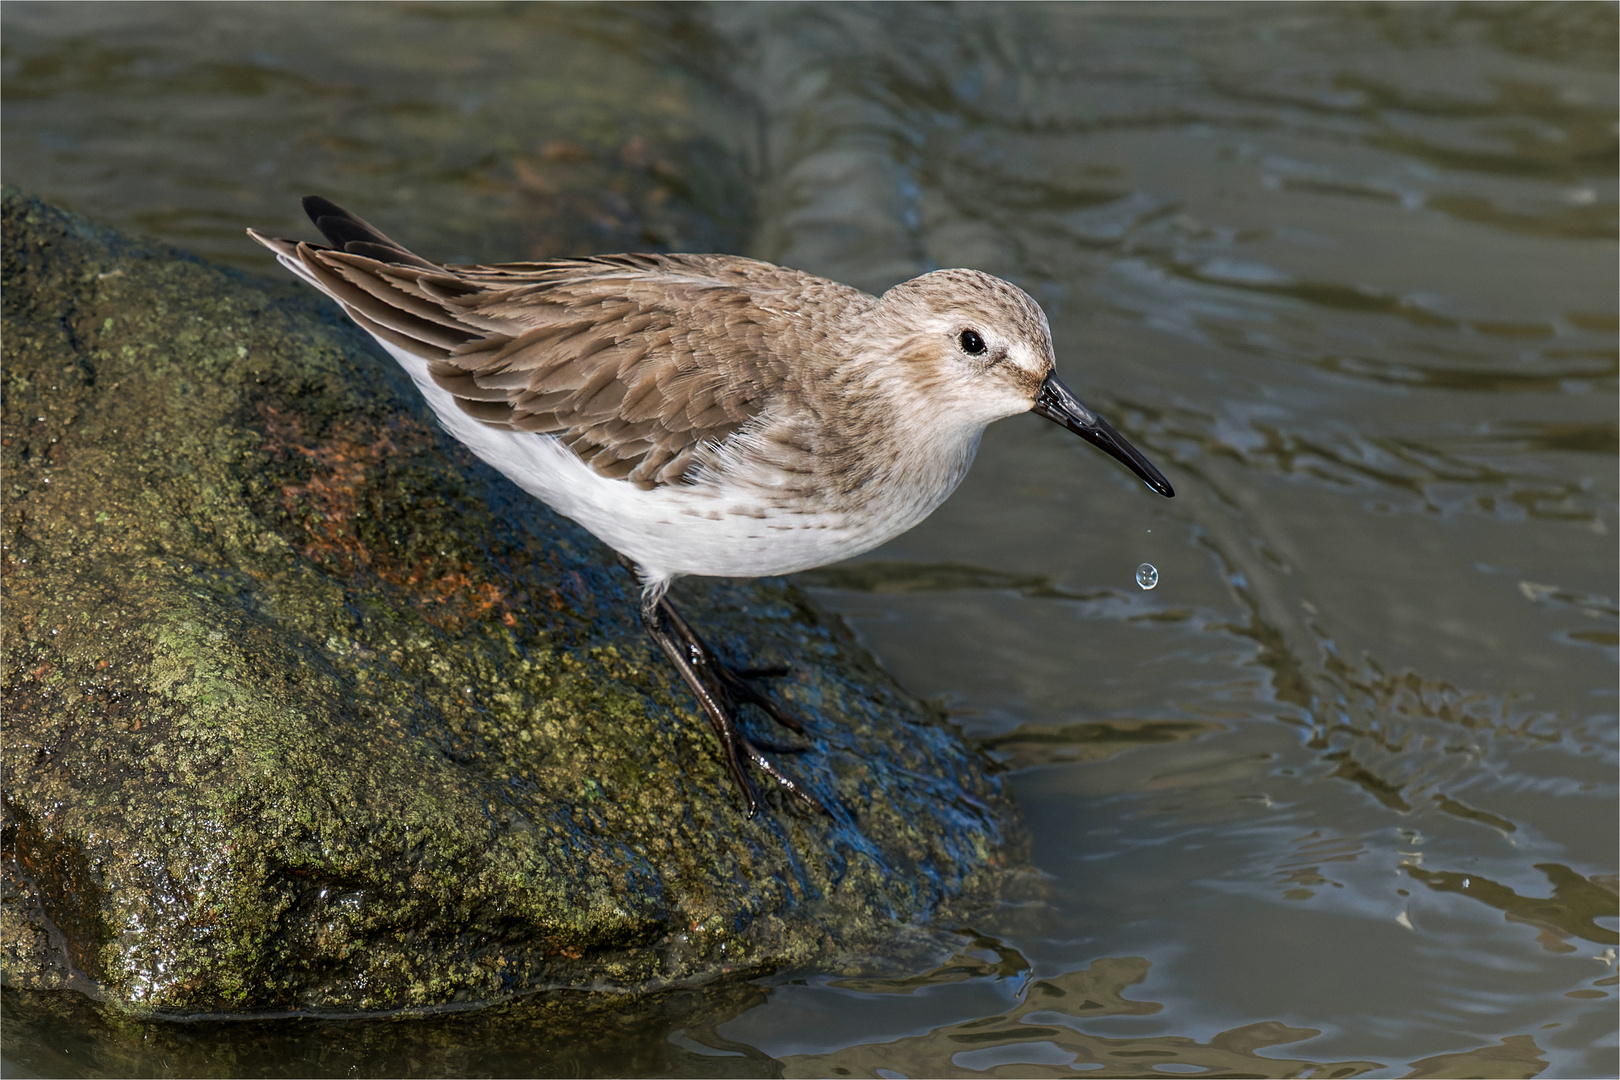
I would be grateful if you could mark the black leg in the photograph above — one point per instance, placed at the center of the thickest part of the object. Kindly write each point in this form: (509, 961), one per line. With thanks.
(724, 727)
(718, 688)
(734, 680)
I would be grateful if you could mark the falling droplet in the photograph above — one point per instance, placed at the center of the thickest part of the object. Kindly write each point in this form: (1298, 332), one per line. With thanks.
(1147, 575)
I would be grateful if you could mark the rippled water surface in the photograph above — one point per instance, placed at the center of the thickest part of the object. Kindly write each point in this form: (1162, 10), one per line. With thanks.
(1338, 796)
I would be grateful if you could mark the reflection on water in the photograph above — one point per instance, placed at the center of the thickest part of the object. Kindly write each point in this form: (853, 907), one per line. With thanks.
(1040, 1036)
(1037, 744)
(1338, 796)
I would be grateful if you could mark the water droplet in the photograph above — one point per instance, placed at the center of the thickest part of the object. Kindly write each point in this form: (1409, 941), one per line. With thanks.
(1147, 575)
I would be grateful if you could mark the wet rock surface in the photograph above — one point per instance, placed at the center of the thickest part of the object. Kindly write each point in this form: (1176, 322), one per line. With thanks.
(305, 708)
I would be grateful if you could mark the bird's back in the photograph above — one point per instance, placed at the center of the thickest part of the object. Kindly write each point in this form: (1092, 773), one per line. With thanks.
(642, 365)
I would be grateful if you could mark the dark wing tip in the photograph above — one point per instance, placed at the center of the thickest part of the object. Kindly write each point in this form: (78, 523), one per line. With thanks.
(339, 226)
(316, 207)
(347, 232)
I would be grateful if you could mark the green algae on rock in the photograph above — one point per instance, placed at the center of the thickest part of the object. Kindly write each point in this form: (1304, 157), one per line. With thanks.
(308, 709)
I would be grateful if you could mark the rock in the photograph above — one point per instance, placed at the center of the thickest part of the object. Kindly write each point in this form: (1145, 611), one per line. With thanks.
(307, 709)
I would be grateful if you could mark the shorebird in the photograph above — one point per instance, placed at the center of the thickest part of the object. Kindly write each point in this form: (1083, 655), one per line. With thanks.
(708, 414)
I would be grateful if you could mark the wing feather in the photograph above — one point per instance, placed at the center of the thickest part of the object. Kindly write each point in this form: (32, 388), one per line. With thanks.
(638, 363)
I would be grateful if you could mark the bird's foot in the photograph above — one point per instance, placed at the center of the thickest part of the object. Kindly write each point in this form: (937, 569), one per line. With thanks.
(734, 685)
(720, 688)
(739, 686)
(770, 769)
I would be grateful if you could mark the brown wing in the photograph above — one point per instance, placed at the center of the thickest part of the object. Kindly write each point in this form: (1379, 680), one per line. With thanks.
(635, 362)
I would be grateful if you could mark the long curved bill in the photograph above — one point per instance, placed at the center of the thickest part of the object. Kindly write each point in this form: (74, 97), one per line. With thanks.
(1058, 404)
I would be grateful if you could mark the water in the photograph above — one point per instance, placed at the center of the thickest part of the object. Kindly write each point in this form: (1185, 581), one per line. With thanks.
(1147, 576)
(1341, 791)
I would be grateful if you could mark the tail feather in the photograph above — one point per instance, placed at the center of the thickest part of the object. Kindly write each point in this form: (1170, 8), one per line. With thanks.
(390, 304)
(286, 253)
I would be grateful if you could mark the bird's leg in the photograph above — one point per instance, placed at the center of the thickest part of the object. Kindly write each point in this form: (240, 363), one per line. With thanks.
(728, 684)
(714, 685)
(733, 680)
(652, 618)
(733, 688)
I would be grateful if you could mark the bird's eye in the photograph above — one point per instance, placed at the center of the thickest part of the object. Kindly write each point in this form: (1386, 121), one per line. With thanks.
(971, 342)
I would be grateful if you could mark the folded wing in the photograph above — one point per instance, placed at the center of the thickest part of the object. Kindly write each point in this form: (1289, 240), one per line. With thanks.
(634, 362)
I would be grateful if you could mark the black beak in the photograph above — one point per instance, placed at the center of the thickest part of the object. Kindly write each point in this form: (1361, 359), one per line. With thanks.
(1059, 405)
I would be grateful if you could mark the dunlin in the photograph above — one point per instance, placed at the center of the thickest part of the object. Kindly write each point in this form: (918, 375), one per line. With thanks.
(708, 414)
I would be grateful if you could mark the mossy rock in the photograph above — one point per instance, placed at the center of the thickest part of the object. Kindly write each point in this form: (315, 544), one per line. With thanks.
(307, 709)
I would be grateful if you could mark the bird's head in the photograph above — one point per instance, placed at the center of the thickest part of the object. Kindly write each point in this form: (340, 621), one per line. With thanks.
(976, 348)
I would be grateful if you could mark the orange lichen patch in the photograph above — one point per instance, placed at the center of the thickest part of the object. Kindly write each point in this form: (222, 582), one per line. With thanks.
(325, 507)
(459, 597)
(328, 506)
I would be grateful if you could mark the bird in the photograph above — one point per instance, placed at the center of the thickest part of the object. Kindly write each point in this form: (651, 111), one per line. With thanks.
(711, 414)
